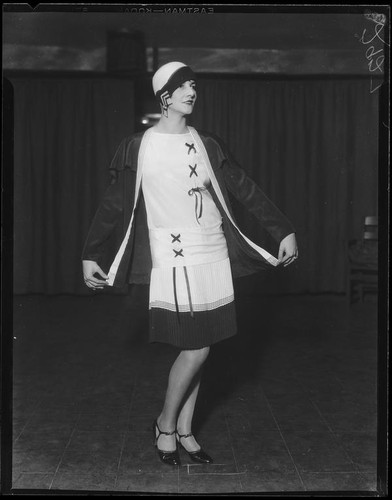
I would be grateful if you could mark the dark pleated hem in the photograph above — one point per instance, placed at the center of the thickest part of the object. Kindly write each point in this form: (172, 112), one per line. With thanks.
(203, 329)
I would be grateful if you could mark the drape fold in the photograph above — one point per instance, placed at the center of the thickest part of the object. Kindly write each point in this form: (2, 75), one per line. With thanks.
(66, 132)
(311, 145)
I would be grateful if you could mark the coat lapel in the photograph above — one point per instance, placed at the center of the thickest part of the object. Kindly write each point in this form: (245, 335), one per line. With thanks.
(266, 255)
(140, 162)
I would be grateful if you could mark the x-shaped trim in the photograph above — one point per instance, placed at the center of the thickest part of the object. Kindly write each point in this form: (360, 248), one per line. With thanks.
(176, 238)
(178, 253)
(193, 170)
(190, 147)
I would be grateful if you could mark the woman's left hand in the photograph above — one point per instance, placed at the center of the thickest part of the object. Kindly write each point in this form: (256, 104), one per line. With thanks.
(288, 250)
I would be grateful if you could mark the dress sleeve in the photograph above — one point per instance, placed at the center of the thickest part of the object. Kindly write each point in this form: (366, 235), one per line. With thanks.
(110, 210)
(246, 191)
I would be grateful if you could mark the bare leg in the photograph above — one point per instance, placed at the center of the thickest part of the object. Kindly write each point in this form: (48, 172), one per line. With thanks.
(184, 421)
(182, 373)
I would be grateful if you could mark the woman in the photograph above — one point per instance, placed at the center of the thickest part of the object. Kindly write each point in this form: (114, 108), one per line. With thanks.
(169, 194)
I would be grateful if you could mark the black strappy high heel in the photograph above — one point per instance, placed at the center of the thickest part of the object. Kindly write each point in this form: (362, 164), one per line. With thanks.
(199, 456)
(167, 457)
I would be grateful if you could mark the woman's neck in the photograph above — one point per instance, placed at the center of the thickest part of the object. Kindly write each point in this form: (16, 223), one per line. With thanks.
(172, 125)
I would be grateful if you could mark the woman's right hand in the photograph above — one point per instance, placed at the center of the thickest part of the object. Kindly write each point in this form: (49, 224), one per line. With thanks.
(89, 269)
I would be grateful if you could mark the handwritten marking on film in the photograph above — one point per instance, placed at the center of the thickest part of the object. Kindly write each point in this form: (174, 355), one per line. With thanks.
(375, 42)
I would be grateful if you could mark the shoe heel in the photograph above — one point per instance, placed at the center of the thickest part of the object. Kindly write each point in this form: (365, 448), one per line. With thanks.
(167, 457)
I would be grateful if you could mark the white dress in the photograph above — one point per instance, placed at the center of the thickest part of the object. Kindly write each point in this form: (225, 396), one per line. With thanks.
(190, 265)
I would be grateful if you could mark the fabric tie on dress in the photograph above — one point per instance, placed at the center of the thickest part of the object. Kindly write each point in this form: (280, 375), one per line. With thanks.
(197, 192)
(188, 290)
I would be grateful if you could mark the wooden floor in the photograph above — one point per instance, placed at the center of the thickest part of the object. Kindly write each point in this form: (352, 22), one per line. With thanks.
(288, 405)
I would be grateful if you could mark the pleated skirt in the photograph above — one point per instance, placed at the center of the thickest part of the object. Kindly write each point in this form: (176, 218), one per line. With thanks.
(192, 306)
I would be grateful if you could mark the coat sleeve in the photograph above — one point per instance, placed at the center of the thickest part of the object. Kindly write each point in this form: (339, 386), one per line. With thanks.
(110, 211)
(246, 191)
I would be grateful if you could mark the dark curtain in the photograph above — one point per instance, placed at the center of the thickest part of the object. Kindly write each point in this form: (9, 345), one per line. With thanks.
(66, 132)
(312, 146)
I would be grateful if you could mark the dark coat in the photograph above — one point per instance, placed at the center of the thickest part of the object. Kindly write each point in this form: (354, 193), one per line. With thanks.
(116, 208)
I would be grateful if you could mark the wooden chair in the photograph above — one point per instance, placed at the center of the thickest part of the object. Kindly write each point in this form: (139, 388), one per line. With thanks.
(363, 261)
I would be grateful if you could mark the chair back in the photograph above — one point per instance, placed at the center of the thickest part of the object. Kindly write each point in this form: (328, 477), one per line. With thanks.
(370, 228)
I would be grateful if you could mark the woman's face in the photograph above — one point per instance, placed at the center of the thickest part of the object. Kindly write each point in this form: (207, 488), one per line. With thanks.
(183, 98)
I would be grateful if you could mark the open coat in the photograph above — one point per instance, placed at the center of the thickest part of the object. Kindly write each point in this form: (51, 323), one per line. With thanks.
(122, 211)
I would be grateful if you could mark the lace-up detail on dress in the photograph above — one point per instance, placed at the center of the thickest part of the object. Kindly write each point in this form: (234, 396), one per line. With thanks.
(191, 285)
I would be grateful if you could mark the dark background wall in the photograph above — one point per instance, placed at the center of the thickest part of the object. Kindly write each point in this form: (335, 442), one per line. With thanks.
(286, 42)
(289, 30)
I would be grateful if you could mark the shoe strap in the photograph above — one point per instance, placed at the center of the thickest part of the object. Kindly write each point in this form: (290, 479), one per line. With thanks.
(184, 435)
(163, 432)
